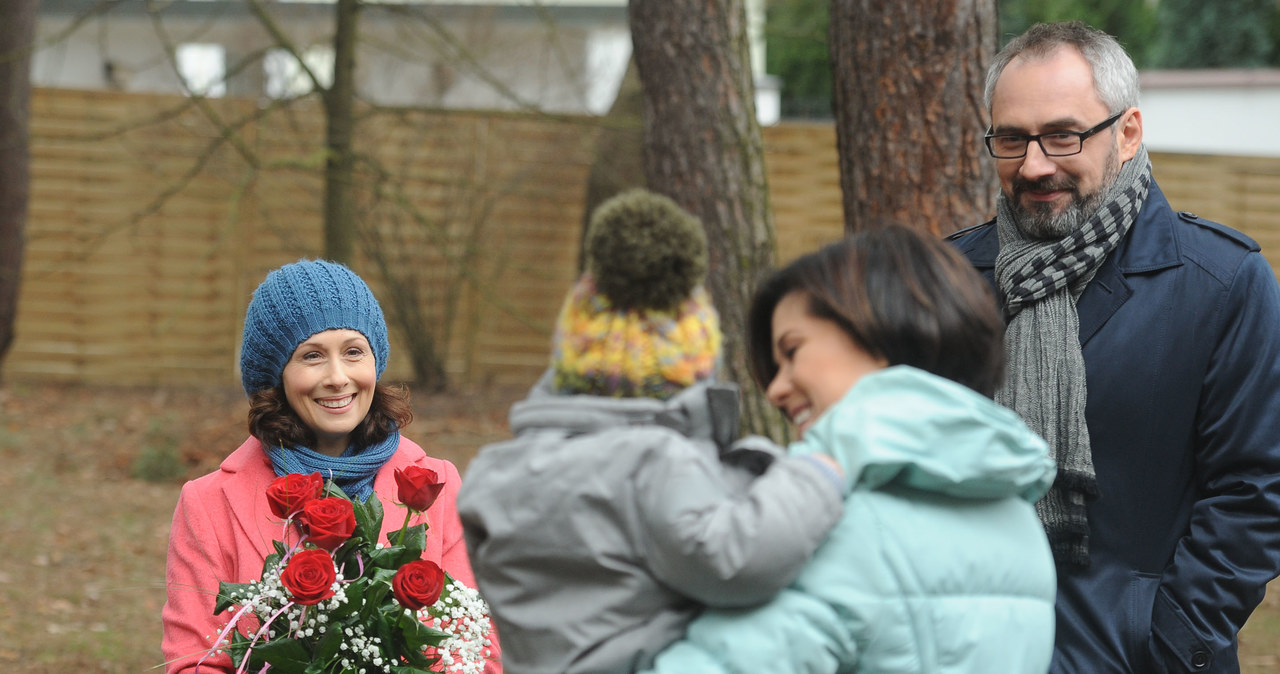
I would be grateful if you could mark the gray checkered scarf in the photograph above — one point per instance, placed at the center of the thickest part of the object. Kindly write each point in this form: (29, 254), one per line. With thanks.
(1046, 380)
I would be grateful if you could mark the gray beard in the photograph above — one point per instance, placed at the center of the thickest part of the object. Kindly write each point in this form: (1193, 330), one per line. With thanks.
(1041, 222)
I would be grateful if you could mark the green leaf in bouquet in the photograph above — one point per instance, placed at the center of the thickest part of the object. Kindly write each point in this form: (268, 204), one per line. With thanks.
(287, 656)
(355, 591)
(415, 541)
(410, 537)
(230, 594)
(409, 670)
(331, 488)
(392, 557)
(382, 627)
(272, 561)
(368, 518)
(238, 648)
(379, 586)
(281, 549)
(417, 635)
(327, 650)
(412, 637)
(347, 557)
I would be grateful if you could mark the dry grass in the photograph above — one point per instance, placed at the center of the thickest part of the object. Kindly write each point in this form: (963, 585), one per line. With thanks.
(82, 541)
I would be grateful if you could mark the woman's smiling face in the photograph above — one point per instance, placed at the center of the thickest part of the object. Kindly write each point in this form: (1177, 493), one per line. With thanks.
(329, 382)
(818, 362)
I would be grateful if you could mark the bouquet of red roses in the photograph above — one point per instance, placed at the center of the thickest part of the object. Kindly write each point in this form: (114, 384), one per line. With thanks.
(339, 600)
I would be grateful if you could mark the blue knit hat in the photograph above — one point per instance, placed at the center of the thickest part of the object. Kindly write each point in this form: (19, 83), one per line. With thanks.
(297, 301)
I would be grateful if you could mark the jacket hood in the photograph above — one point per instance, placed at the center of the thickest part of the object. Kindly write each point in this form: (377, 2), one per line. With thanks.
(905, 426)
(704, 411)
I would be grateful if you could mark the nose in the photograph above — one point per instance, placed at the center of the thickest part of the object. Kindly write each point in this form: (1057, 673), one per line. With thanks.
(335, 374)
(778, 390)
(1036, 165)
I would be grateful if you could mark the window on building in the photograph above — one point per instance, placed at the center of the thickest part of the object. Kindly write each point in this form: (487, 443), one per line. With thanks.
(285, 77)
(203, 68)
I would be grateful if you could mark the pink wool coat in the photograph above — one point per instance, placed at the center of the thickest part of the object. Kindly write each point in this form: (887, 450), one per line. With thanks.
(223, 528)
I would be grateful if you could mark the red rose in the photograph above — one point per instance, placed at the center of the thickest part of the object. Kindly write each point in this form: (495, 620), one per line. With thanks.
(328, 521)
(418, 487)
(309, 577)
(289, 493)
(418, 584)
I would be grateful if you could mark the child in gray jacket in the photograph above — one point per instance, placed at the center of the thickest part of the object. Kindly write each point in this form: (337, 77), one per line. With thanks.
(621, 507)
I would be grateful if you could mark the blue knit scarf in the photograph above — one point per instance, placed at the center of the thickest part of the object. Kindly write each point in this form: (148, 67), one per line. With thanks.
(353, 471)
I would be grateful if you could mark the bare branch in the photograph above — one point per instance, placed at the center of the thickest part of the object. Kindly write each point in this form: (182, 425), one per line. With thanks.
(80, 20)
(283, 42)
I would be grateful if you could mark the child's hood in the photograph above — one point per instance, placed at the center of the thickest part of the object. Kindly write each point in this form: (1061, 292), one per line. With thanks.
(704, 411)
(905, 426)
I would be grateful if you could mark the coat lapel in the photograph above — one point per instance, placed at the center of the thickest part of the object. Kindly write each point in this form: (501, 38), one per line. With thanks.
(1106, 293)
(246, 497)
(1152, 245)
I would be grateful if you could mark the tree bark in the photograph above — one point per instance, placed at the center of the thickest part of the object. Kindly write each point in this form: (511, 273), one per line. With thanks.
(703, 148)
(17, 37)
(909, 115)
(339, 171)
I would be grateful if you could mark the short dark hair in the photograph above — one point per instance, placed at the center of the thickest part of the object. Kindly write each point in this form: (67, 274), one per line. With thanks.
(275, 423)
(902, 295)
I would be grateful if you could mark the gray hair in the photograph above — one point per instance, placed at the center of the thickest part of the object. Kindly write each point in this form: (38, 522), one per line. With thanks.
(1115, 79)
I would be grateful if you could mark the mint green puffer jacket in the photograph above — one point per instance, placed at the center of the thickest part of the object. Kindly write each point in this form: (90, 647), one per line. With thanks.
(939, 563)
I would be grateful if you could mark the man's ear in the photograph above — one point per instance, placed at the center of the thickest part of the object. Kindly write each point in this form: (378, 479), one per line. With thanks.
(1130, 135)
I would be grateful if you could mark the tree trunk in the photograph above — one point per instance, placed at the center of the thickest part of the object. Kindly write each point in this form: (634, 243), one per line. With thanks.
(339, 170)
(703, 149)
(17, 35)
(909, 115)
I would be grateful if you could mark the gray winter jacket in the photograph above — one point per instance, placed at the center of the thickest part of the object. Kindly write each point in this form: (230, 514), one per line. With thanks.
(599, 532)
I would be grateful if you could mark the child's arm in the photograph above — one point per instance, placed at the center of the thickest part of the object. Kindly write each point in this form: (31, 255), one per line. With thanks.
(794, 633)
(728, 548)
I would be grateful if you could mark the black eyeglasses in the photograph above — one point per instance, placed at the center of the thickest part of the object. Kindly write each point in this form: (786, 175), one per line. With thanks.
(1052, 144)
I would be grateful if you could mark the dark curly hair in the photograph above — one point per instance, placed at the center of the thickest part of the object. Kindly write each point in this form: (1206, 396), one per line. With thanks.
(274, 422)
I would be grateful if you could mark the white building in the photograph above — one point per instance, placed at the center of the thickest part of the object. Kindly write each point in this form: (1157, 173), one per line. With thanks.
(563, 56)
(1231, 112)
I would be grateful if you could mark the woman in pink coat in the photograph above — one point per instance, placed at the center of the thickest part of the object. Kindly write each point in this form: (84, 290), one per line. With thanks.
(315, 346)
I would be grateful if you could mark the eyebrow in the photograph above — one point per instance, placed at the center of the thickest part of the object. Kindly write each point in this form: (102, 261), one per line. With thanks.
(1051, 126)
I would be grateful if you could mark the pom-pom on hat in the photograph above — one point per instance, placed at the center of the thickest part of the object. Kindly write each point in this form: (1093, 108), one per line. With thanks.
(297, 301)
(638, 323)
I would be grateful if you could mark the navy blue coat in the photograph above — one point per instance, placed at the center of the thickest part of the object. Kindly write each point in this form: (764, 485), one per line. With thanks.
(1180, 331)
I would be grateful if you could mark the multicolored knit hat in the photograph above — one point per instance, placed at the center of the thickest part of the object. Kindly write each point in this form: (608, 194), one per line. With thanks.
(638, 323)
(299, 300)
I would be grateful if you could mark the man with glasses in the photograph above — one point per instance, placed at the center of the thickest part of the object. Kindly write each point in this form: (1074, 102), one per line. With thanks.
(1144, 345)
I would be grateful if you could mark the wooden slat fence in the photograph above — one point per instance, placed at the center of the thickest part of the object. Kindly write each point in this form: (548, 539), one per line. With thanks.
(149, 227)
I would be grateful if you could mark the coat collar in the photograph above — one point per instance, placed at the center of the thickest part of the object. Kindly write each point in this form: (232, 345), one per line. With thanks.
(703, 411)
(251, 473)
(1152, 244)
(249, 470)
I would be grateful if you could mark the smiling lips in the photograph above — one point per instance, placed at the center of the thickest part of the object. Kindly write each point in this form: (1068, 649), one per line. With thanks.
(1044, 196)
(801, 419)
(1043, 190)
(335, 403)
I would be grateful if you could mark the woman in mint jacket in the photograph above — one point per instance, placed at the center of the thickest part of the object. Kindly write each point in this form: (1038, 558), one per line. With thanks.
(883, 350)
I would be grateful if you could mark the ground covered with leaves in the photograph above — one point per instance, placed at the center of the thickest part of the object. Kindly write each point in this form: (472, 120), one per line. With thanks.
(90, 476)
